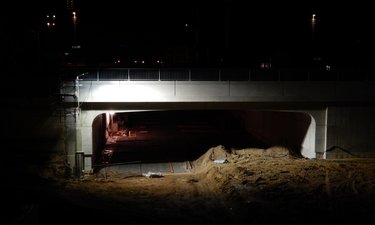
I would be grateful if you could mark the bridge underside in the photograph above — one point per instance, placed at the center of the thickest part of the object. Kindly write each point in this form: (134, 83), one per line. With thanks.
(264, 124)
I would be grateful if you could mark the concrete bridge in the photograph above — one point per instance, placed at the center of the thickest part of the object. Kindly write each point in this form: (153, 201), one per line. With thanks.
(313, 111)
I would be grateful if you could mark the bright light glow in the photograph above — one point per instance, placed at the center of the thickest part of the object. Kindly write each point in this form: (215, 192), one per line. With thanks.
(125, 92)
(313, 18)
(112, 113)
(313, 21)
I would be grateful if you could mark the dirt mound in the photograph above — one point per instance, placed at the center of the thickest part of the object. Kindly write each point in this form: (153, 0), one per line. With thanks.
(213, 154)
(273, 152)
(219, 155)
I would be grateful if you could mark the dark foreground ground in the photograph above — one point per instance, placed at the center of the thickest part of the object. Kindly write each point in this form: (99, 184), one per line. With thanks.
(253, 186)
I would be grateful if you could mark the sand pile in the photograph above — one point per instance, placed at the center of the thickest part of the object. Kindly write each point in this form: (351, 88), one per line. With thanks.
(220, 155)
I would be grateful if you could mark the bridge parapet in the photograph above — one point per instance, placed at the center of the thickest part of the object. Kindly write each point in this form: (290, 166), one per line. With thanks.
(217, 74)
(211, 85)
(219, 91)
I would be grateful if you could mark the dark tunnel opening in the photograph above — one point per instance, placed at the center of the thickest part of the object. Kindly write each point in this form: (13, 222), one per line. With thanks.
(170, 136)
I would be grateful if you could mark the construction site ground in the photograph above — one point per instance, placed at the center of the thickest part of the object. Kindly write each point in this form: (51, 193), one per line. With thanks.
(243, 186)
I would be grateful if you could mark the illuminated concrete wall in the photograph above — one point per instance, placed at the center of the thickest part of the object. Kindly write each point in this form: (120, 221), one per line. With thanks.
(221, 91)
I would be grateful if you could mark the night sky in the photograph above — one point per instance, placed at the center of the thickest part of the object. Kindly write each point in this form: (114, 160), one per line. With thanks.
(201, 33)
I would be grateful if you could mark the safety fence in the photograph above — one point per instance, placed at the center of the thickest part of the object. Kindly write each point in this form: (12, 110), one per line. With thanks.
(214, 74)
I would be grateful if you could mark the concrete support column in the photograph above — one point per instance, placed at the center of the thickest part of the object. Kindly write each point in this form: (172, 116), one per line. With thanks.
(320, 119)
(309, 140)
(70, 141)
(87, 118)
(79, 141)
(78, 165)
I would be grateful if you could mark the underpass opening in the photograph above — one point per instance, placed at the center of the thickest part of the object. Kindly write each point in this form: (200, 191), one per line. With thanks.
(164, 136)
(293, 130)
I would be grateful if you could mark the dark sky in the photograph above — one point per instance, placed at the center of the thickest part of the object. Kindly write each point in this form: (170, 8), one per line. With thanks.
(249, 30)
(220, 33)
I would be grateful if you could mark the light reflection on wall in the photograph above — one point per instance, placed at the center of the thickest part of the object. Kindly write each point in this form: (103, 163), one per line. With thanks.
(121, 93)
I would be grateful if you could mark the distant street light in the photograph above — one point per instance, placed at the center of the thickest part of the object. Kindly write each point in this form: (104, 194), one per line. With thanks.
(313, 22)
(313, 25)
(74, 26)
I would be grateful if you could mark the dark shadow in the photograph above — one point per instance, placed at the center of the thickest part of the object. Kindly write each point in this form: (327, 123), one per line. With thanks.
(173, 135)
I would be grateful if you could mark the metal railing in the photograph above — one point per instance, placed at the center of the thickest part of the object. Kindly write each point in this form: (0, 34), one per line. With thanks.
(213, 74)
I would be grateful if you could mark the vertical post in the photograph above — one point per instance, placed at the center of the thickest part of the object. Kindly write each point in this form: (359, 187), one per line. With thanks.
(79, 156)
(76, 91)
(175, 83)
(80, 163)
